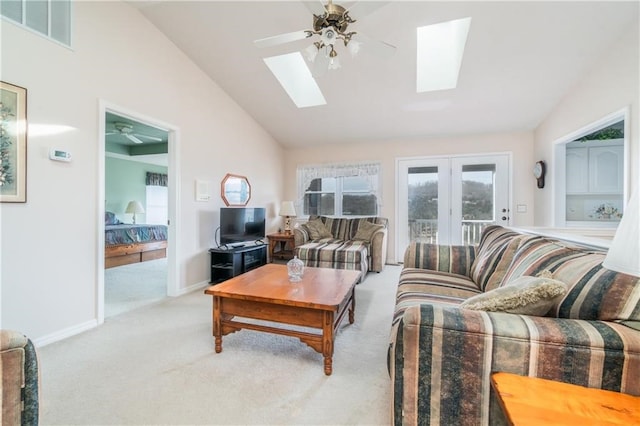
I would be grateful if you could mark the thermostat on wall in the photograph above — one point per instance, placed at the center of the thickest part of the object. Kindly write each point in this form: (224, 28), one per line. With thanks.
(59, 155)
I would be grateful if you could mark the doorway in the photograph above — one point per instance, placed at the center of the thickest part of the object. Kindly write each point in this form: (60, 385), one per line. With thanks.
(137, 186)
(450, 200)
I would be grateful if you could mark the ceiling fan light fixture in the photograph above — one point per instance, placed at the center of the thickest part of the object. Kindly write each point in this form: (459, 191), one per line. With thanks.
(311, 52)
(354, 47)
(334, 63)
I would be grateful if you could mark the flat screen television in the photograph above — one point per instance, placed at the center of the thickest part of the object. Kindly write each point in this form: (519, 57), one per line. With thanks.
(241, 224)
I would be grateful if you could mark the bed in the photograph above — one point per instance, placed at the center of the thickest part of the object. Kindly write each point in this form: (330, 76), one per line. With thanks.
(132, 243)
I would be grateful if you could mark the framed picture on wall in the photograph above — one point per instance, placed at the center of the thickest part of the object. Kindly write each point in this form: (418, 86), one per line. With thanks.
(13, 143)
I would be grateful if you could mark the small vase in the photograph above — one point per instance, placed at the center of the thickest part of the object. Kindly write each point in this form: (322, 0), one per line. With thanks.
(295, 268)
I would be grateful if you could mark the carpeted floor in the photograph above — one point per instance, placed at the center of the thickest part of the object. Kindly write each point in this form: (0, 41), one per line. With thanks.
(129, 287)
(157, 365)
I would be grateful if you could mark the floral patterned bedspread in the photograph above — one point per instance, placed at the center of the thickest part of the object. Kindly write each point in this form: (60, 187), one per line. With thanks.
(129, 234)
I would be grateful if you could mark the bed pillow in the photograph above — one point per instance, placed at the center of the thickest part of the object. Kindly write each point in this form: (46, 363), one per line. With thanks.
(111, 219)
(525, 295)
(366, 230)
(317, 230)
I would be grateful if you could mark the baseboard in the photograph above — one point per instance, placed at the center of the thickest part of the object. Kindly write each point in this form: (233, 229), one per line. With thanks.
(65, 333)
(191, 288)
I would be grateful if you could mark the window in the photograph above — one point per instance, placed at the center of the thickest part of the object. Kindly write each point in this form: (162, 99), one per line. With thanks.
(50, 18)
(340, 190)
(157, 204)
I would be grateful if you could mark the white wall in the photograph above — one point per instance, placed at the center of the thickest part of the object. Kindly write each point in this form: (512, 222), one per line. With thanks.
(611, 85)
(49, 245)
(519, 144)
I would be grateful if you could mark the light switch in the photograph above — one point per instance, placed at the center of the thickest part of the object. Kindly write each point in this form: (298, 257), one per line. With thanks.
(202, 191)
(521, 208)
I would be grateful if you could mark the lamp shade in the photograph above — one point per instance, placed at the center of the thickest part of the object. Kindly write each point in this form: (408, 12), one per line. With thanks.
(134, 207)
(287, 209)
(624, 254)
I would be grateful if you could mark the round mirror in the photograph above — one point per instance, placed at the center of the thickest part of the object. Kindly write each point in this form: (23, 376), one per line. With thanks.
(236, 190)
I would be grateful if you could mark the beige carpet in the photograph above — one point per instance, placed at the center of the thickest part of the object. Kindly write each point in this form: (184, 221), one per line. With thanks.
(157, 365)
(129, 287)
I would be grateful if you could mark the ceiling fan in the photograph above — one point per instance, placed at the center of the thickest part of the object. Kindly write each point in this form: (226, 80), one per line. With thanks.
(126, 130)
(330, 23)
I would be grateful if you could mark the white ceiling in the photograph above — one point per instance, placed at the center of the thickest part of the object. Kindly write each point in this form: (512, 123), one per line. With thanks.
(520, 59)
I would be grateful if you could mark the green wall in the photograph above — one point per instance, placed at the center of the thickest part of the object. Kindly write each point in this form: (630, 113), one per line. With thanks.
(124, 182)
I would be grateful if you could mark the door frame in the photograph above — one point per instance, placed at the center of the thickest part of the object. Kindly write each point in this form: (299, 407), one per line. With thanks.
(440, 159)
(173, 268)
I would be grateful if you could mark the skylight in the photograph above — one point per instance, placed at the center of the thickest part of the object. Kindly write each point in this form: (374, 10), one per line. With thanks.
(439, 54)
(296, 79)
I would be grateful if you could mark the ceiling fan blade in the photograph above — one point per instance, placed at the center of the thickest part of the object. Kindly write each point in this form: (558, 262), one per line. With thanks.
(282, 38)
(152, 138)
(132, 138)
(372, 46)
(363, 8)
(316, 7)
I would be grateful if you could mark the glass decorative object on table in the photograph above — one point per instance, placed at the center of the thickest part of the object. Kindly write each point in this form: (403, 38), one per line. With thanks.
(295, 268)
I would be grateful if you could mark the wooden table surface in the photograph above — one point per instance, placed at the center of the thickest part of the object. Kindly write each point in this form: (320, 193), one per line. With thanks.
(531, 401)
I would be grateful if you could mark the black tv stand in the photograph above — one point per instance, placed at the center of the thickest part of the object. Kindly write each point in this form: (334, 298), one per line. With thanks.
(227, 263)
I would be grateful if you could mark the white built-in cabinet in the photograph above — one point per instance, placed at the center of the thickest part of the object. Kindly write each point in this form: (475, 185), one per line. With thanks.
(595, 168)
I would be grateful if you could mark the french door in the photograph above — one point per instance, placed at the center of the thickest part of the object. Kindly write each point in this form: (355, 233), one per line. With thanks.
(449, 200)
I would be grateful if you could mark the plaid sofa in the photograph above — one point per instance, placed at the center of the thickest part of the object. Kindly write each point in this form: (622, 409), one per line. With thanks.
(441, 356)
(342, 251)
(19, 379)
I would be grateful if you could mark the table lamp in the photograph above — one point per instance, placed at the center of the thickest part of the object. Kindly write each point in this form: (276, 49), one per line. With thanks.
(624, 253)
(288, 211)
(134, 207)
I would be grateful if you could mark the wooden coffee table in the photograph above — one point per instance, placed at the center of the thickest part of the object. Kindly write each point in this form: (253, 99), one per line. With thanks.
(320, 301)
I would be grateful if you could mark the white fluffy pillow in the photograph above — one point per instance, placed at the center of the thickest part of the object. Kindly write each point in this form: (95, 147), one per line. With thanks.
(525, 295)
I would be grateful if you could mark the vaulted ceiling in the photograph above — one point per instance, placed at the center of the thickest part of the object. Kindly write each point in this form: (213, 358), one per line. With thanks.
(520, 59)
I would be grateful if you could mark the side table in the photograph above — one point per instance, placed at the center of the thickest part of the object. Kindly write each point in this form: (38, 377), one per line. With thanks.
(281, 246)
(533, 401)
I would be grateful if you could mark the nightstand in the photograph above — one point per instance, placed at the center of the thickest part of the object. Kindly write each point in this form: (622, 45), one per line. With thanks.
(281, 246)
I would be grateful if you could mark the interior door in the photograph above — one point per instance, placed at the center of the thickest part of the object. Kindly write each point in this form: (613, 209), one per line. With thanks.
(450, 200)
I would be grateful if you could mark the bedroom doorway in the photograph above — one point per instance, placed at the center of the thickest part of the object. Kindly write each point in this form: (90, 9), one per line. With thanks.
(138, 212)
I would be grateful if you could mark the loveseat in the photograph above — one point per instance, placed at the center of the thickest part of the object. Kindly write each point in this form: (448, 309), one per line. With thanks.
(18, 379)
(343, 243)
(442, 354)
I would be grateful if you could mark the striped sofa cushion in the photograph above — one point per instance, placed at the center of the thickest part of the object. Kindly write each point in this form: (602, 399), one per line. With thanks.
(346, 228)
(337, 254)
(418, 286)
(597, 293)
(494, 254)
(454, 259)
(443, 357)
(537, 254)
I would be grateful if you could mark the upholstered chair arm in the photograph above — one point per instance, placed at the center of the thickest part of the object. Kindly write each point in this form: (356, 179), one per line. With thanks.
(443, 258)
(301, 235)
(20, 381)
(378, 249)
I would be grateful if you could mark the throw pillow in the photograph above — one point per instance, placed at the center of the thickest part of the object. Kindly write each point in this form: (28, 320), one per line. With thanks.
(525, 295)
(366, 230)
(317, 230)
